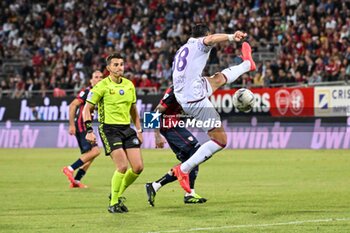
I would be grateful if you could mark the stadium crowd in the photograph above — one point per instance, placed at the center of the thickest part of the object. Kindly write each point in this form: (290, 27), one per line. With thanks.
(63, 41)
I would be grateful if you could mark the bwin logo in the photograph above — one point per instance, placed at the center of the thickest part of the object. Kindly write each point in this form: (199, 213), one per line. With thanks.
(151, 120)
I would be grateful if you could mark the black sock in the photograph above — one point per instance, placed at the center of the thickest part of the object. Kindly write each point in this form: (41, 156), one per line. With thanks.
(77, 164)
(166, 179)
(193, 176)
(80, 174)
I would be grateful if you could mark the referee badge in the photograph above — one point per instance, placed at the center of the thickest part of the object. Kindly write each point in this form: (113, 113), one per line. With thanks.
(135, 141)
(89, 97)
(121, 92)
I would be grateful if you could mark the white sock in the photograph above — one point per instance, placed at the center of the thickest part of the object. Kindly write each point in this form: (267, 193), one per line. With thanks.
(192, 193)
(156, 186)
(232, 73)
(204, 152)
(70, 168)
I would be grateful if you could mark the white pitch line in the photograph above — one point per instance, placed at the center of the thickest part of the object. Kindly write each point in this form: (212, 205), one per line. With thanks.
(254, 225)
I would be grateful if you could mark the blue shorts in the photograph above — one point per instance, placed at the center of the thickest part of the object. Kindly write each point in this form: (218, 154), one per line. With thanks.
(181, 142)
(84, 145)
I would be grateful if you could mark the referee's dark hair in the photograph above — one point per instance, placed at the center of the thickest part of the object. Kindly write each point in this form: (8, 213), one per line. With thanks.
(199, 30)
(112, 56)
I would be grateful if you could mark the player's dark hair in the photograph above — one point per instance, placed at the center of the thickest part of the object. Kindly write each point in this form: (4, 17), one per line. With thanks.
(199, 30)
(112, 56)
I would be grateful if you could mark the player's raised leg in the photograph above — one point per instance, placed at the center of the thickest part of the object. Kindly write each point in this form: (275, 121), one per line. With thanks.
(247, 55)
(231, 74)
(202, 110)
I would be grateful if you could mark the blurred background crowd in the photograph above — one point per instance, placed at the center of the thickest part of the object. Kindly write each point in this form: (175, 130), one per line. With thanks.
(53, 46)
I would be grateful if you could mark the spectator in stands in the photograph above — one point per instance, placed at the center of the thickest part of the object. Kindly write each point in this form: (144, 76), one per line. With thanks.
(281, 77)
(4, 87)
(294, 32)
(299, 77)
(342, 75)
(146, 63)
(78, 80)
(36, 86)
(258, 80)
(315, 77)
(173, 32)
(347, 68)
(167, 72)
(145, 82)
(332, 70)
(29, 88)
(268, 78)
(59, 92)
(19, 87)
(290, 78)
(247, 80)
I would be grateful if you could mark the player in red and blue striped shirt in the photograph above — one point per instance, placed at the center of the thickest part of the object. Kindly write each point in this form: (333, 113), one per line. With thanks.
(77, 127)
(181, 142)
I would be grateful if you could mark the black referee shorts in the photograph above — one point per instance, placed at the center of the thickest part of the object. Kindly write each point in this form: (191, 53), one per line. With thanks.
(118, 136)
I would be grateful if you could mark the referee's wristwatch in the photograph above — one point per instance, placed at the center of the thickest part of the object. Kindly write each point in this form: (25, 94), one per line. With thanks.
(140, 130)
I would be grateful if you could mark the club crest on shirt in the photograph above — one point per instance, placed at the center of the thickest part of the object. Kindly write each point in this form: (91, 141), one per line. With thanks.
(121, 92)
(190, 138)
(165, 96)
(81, 94)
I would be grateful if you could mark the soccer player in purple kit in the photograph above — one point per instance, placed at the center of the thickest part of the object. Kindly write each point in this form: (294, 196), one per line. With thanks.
(181, 142)
(192, 90)
(77, 127)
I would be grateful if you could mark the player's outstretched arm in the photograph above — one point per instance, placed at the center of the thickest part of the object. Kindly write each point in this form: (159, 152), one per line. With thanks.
(218, 38)
(160, 141)
(72, 110)
(136, 119)
(88, 109)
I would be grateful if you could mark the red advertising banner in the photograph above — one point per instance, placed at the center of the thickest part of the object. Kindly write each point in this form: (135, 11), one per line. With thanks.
(278, 102)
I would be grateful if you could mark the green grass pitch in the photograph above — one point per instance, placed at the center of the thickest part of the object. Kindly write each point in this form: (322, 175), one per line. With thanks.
(248, 191)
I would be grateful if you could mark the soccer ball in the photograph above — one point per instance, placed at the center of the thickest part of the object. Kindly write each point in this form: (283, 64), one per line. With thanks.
(244, 100)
